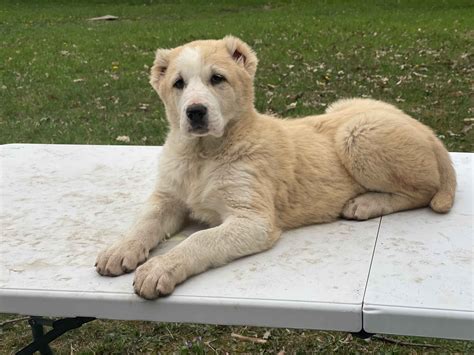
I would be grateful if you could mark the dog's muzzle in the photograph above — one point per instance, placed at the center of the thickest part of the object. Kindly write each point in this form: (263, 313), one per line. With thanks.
(197, 117)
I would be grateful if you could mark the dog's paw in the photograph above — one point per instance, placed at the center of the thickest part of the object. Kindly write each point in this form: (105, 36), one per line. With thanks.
(358, 209)
(121, 258)
(158, 277)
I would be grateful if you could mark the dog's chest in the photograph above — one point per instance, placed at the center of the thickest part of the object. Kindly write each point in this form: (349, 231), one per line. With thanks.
(196, 183)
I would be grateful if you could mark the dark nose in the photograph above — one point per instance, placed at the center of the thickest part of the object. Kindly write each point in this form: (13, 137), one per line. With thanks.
(197, 115)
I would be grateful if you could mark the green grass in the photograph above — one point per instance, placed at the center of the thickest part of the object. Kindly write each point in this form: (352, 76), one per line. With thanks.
(147, 337)
(64, 79)
(67, 80)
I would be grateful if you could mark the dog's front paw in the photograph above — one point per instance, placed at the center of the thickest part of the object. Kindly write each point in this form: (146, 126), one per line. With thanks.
(121, 258)
(158, 277)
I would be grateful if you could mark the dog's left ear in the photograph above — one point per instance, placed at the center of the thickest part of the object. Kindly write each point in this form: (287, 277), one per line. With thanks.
(160, 65)
(242, 54)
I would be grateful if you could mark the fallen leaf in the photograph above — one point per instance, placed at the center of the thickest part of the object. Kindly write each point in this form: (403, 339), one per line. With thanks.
(420, 75)
(348, 338)
(244, 338)
(467, 128)
(104, 18)
(125, 139)
(291, 106)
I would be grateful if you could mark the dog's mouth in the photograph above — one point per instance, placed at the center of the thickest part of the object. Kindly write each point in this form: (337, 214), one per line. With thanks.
(199, 131)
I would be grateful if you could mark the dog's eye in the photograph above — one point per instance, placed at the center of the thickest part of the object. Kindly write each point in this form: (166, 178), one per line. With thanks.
(179, 84)
(217, 79)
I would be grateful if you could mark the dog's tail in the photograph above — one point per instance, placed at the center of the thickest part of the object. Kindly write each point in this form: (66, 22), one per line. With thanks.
(443, 200)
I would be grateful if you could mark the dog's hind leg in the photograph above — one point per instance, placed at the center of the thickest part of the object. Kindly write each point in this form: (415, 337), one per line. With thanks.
(392, 157)
(376, 204)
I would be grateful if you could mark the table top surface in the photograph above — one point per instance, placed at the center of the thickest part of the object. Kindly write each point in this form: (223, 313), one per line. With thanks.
(423, 269)
(61, 204)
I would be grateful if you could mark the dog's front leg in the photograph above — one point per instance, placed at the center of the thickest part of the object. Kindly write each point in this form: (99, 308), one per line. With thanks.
(236, 237)
(163, 215)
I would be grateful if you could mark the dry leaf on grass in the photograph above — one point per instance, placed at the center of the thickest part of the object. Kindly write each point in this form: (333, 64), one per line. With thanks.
(244, 338)
(104, 18)
(452, 134)
(467, 128)
(125, 139)
(291, 106)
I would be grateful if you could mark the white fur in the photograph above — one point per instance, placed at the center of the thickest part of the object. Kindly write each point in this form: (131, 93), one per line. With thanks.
(197, 91)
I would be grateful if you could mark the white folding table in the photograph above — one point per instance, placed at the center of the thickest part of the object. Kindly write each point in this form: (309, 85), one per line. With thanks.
(422, 276)
(61, 204)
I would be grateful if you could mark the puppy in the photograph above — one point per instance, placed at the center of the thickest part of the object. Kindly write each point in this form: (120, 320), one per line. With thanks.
(250, 176)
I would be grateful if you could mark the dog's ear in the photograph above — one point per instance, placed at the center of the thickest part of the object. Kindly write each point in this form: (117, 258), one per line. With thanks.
(159, 67)
(242, 54)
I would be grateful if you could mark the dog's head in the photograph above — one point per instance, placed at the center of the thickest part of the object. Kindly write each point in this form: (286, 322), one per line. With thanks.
(205, 84)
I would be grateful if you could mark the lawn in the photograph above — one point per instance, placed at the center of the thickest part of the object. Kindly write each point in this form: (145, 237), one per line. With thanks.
(64, 79)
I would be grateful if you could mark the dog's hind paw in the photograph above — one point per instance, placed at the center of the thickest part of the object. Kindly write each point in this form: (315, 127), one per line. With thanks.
(368, 205)
(359, 209)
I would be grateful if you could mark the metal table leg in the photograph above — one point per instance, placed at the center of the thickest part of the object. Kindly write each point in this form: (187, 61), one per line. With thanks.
(41, 341)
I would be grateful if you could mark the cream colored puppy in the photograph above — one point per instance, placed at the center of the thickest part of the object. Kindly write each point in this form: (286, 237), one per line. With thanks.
(251, 176)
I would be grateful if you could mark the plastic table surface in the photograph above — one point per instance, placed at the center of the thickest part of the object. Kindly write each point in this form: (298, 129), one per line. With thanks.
(61, 204)
(422, 276)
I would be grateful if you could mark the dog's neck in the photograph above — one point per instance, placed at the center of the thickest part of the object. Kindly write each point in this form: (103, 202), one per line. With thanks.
(209, 147)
